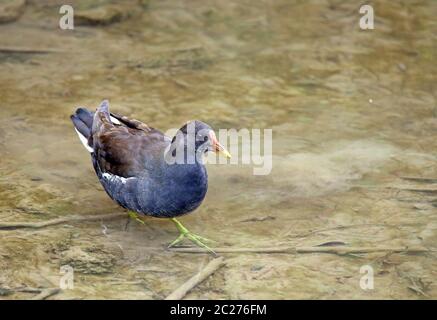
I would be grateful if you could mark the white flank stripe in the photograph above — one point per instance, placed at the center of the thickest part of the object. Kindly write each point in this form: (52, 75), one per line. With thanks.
(84, 141)
(114, 120)
(113, 177)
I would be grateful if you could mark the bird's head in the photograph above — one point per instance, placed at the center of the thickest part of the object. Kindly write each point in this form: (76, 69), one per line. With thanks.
(203, 138)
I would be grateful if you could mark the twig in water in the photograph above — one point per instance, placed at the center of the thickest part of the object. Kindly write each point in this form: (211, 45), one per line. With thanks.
(45, 293)
(42, 293)
(415, 189)
(306, 234)
(210, 268)
(420, 179)
(293, 250)
(258, 219)
(331, 243)
(28, 50)
(39, 225)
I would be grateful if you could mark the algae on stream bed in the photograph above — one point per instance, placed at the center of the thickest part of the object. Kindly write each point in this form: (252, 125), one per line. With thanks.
(353, 112)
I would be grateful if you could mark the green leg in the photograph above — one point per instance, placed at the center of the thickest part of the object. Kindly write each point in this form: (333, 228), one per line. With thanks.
(185, 233)
(135, 216)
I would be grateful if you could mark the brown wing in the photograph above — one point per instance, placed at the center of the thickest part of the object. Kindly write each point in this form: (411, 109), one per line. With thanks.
(127, 149)
(132, 123)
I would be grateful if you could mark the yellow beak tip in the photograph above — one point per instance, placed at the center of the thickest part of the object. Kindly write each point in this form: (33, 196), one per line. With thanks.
(226, 154)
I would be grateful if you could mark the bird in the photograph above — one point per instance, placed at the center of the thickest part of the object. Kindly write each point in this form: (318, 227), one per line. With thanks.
(145, 171)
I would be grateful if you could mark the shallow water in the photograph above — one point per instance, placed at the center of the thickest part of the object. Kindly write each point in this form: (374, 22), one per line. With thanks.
(353, 113)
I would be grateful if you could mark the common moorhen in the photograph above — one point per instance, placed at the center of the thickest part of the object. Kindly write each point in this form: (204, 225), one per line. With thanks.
(145, 171)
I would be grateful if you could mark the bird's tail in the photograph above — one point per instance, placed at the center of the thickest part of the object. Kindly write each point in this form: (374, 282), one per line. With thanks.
(102, 118)
(83, 123)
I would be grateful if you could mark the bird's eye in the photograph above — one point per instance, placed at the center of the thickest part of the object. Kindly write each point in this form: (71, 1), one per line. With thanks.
(202, 138)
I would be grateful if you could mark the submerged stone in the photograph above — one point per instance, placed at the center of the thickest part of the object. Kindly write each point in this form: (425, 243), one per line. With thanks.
(105, 14)
(11, 10)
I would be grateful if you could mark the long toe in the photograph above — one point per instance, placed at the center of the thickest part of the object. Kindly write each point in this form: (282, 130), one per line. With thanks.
(199, 241)
(203, 239)
(177, 241)
(185, 233)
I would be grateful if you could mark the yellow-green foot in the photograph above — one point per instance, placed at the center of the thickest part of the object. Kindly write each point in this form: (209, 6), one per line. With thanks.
(186, 234)
(135, 216)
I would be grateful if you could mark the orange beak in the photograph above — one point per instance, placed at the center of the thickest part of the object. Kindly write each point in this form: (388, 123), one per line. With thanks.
(217, 145)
